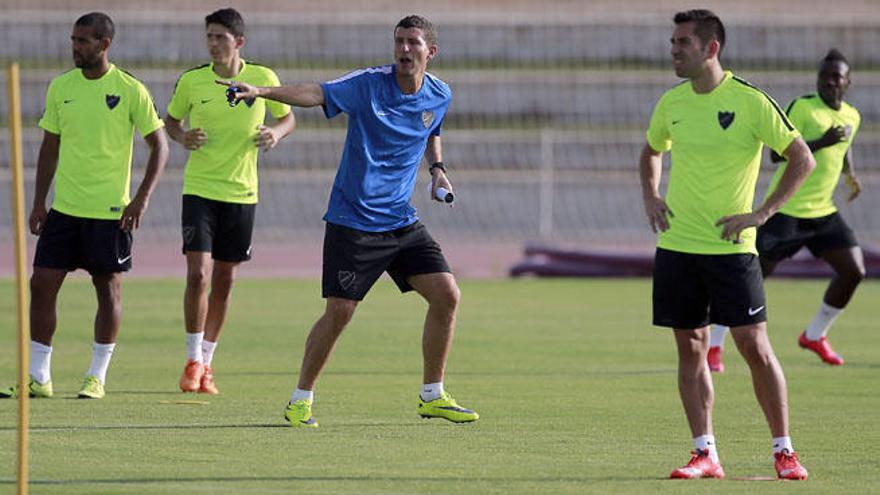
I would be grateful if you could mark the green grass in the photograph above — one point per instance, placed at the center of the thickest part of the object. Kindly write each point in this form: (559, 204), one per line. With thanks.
(576, 390)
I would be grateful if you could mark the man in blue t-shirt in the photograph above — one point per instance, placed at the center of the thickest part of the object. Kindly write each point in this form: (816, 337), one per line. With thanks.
(394, 117)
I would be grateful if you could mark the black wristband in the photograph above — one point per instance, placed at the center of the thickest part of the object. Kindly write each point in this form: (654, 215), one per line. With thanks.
(434, 165)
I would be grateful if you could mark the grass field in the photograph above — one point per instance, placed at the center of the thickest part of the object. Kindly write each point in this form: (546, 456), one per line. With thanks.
(576, 390)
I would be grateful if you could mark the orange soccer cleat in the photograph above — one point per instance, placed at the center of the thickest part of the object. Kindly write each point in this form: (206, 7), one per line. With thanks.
(191, 379)
(207, 385)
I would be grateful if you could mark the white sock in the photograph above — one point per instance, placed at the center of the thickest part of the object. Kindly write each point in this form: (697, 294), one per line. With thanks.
(706, 443)
(300, 394)
(716, 335)
(41, 362)
(431, 391)
(782, 443)
(822, 321)
(101, 354)
(208, 351)
(194, 346)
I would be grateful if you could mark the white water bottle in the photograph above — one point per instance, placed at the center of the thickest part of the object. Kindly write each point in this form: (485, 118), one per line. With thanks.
(442, 194)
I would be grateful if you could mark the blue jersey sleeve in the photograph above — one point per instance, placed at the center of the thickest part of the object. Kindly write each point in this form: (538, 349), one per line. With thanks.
(345, 94)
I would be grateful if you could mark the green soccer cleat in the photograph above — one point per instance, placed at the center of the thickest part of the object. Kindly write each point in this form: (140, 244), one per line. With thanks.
(91, 388)
(37, 390)
(445, 407)
(300, 414)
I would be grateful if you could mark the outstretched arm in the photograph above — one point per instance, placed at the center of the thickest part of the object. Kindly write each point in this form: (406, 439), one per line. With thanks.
(650, 168)
(299, 95)
(132, 214)
(47, 163)
(800, 164)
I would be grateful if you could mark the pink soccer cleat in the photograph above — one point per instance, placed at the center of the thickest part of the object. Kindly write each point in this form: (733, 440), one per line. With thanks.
(700, 466)
(822, 348)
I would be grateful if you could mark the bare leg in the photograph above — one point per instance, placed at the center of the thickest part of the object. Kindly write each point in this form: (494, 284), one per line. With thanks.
(695, 380)
(767, 377)
(45, 284)
(195, 298)
(108, 318)
(849, 270)
(443, 295)
(322, 339)
(222, 279)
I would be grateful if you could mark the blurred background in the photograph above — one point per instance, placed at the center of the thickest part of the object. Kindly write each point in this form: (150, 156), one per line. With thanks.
(551, 102)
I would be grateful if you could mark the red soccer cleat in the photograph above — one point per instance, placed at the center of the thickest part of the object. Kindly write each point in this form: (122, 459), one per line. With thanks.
(822, 348)
(716, 365)
(191, 379)
(700, 466)
(788, 467)
(207, 385)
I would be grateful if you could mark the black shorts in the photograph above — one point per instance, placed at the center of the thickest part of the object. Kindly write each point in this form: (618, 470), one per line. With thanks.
(354, 259)
(783, 236)
(223, 229)
(97, 246)
(694, 290)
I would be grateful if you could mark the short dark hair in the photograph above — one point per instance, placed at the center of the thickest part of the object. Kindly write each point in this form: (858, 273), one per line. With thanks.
(228, 18)
(834, 55)
(708, 25)
(417, 21)
(102, 23)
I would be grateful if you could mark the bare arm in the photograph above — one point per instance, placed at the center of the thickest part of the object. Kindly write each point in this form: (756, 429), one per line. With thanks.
(831, 137)
(47, 163)
(269, 135)
(134, 212)
(855, 186)
(650, 168)
(192, 139)
(299, 95)
(800, 164)
(434, 154)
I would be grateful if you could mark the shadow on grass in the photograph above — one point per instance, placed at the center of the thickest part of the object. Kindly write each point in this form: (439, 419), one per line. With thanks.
(39, 429)
(356, 479)
(510, 373)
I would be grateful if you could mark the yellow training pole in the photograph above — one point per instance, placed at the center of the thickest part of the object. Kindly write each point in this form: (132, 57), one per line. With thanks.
(17, 186)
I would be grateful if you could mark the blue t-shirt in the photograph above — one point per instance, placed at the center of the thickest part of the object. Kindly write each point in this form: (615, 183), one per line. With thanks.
(387, 135)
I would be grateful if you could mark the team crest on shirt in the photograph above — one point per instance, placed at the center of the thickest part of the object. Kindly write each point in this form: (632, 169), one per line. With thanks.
(112, 101)
(725, 119)
(249, 101)
(427, 118)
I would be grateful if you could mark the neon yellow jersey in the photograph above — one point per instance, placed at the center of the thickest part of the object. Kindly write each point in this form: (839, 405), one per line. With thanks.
(225, 168)
(96, 119)
(813, 118)
(715, 141)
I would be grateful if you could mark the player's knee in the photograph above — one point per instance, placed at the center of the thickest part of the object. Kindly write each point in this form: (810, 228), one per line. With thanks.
(339, 313)
(854, 274)
(197, 279)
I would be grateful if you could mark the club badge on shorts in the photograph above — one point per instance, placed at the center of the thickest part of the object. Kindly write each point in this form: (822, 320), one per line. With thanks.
(427, 118)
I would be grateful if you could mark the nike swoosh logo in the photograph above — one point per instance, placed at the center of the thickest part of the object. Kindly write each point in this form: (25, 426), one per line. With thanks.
(123, 260)
(753, 312)
(380, 113)
(67, 101)
(676, 121)
(206, 101)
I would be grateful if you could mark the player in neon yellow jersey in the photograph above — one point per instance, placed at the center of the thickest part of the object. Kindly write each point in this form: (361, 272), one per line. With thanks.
(810, 218)
(220, 183)
(89, 122)
(706, 269)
